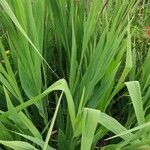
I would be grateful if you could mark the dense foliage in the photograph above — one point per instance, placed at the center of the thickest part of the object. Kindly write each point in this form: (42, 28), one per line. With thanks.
(74, 74)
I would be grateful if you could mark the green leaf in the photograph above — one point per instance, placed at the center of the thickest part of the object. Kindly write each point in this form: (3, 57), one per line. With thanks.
(18, 145)
(135, 93)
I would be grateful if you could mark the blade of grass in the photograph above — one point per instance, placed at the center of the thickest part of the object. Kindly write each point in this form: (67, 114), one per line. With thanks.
(52, 124)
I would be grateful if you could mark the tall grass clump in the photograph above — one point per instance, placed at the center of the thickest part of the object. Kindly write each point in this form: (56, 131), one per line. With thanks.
(64, 64)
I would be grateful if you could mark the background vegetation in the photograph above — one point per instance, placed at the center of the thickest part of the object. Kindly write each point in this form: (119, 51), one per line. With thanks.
(74, 74)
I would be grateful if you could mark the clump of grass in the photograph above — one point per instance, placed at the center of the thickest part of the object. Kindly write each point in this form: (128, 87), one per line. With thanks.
(91, 45)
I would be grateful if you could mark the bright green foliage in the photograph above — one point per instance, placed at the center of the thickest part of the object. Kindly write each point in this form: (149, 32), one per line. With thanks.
(87, 43)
